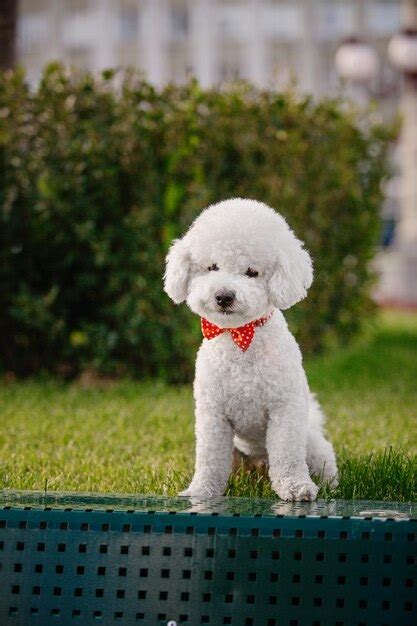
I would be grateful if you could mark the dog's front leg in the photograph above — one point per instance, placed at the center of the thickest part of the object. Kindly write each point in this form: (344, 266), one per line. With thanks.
(286, 442)
(214, 446)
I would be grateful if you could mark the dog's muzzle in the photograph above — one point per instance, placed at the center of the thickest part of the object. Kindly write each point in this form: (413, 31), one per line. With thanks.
(225, 298)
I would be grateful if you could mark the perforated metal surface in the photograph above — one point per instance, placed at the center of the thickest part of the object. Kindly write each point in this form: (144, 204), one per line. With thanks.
(71, 559)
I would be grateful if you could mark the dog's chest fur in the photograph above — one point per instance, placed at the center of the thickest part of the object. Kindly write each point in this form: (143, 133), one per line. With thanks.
(243, 386)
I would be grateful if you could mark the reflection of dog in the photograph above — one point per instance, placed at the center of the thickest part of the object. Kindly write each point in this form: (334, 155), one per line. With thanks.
(236, 267)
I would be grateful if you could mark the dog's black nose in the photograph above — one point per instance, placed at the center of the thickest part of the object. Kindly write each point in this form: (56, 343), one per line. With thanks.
(224, 298)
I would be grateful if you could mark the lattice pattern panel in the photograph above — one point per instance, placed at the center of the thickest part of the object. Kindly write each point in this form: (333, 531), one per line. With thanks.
(92, 560)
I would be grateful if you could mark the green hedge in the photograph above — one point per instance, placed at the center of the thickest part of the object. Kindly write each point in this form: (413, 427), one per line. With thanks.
(96, 179)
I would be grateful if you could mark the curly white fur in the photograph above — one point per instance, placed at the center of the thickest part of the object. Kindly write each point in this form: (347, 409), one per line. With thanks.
(258, 400)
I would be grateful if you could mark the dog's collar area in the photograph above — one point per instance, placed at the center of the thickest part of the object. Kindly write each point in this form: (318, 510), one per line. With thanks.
(241, 336)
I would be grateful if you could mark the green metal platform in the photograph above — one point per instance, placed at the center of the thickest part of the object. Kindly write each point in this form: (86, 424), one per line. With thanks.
(83, 559)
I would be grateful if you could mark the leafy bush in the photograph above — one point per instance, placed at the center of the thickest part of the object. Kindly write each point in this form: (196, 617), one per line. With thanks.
(96, 180)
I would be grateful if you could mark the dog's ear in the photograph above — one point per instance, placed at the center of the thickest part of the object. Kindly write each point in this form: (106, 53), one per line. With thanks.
(177, 271)
(293, 274)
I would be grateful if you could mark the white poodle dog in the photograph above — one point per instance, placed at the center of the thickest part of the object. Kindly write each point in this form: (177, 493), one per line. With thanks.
(238, 265)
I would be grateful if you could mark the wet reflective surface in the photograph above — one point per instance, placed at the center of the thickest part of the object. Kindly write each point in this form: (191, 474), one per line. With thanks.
(214, 506)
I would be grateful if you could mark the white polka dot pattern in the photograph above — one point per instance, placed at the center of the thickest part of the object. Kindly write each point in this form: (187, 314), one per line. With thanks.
(242, 336)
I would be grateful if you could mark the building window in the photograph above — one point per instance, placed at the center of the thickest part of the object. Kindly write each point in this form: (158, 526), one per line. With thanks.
(229, 69)
(129, 24)
(32, 32)
(179, 21)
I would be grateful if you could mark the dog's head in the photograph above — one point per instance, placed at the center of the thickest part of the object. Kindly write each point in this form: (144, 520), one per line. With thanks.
(238, 261)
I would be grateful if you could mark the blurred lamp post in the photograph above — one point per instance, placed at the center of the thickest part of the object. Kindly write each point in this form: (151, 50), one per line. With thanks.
(402, 52)
(357, 63)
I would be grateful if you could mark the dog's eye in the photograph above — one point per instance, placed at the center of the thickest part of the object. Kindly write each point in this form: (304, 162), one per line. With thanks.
(213, 268)
(251, 273)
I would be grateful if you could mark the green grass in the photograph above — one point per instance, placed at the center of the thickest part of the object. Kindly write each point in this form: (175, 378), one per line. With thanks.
(138, 437)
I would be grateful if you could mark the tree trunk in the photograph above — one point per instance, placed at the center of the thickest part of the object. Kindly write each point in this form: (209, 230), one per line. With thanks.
(8, 19)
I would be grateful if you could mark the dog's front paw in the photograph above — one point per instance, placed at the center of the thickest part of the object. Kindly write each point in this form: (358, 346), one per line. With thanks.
(297, 491)
(197, 492)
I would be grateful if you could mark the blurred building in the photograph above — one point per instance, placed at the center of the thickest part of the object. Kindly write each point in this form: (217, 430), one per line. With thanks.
(271, 43)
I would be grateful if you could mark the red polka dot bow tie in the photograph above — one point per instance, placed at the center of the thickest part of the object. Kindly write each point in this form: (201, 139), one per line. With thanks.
(242, 336)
